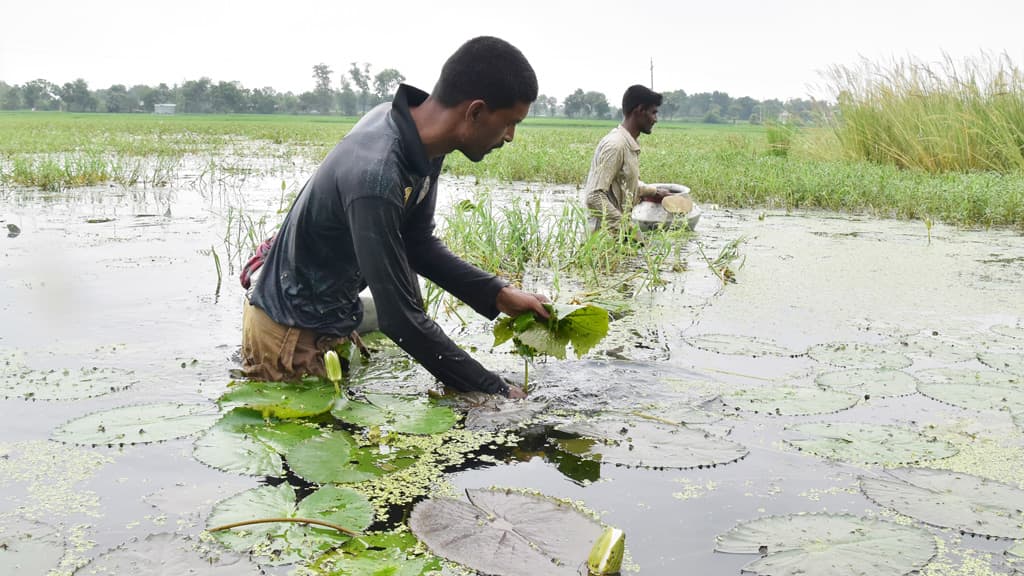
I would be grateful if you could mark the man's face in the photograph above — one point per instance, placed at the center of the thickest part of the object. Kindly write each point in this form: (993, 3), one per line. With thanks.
(489, 129)
(648, 118)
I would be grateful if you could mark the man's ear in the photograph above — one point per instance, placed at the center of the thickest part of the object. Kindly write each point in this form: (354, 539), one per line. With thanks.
(474, 109)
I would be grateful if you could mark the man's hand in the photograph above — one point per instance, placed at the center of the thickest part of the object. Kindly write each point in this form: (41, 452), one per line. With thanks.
(513, 302)
(515, 392)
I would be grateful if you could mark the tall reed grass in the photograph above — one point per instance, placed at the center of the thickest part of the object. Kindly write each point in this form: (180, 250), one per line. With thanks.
(942, 117)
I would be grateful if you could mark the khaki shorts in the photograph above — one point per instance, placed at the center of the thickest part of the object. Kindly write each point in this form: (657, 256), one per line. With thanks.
(272, 351)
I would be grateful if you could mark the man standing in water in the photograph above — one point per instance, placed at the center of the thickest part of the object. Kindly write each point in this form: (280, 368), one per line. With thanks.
(613, 185)
(366, 218)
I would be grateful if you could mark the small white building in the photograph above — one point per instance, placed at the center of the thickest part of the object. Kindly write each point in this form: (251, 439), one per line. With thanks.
(163, 108)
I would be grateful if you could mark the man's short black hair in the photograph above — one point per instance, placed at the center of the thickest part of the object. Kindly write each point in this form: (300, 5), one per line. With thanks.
(489, 69)
(639, 95)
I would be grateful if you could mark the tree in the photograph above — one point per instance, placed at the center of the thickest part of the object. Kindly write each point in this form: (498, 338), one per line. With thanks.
(263, 101)
(573, 104)
(325, 95)
(76, 96)
(361, 78)
(159, 95)
(386, 82)
(348, 102)
(228, 97)
(117, 99)
(194, 96)
(12, 98)
(40, 95)
(596, 105)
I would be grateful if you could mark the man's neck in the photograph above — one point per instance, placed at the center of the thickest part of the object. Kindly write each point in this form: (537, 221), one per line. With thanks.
(436, 126)
(632, 128)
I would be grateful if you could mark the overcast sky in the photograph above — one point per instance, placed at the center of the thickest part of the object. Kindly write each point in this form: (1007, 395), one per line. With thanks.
(751, 48)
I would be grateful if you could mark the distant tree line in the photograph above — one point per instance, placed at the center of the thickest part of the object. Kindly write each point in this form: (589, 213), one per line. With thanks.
(358, 89)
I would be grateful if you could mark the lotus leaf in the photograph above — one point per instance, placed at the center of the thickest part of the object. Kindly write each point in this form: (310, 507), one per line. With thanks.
(1010, 362)
(282, 399)
(738, 345)
(165, 554)
(582, 326)
(506, 533)
(858, 355)
(406, 414)
(868, 443)
(648, 444)
(138, 424)
(790, 401)
(335, 457)
(869, 382)
(984, 377)
(244, 443)
(951, 500)
(976, 397)
(28, 384)
(28, 547)
(287, 542)
(828, 544)
(391, 554)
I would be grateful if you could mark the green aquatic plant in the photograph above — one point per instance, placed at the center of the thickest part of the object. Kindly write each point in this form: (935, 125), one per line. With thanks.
(307, 397)
(583, 326)
(244, 442)
(829, 544)
(404, 414)
(140, 424)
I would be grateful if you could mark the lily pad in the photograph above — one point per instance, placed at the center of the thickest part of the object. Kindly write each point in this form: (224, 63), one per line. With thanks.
(29, 547)
(336, 457)
(938, 347)
(165, 555)
(951, 500)
(826, 544)
(390, 554)
(138, 424)
(406, 414)
(28, 384)
(582, 326)
(506, 533)
(869, 382)
(982, 398)
(1010, 362)
(282, 399)
(1015, 556)
(882, 444)
(244, 443)
(648, 444)
(1010, 330)
(983, 377)
(858, 355)
(790, 401)
(287, 542)
(737, 345)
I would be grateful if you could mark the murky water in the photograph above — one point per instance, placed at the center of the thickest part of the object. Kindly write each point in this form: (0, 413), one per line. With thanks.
(125, 280)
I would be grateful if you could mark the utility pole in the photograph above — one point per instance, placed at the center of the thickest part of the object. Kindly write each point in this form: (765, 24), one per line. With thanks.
(652, 73)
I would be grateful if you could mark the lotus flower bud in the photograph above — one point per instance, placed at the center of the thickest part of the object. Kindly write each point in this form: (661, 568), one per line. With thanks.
(333, 365)
(606, 555)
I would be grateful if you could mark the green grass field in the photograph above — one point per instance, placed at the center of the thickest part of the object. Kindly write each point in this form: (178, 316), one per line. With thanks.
(731, 165)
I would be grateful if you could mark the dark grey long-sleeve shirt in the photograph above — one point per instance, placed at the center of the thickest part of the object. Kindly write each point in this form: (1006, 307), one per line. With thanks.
(366, 218)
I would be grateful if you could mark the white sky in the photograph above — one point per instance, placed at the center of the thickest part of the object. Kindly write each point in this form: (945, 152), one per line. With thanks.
(744, 47)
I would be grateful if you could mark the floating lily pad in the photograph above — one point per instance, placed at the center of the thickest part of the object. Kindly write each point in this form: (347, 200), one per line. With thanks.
(282, 399)
(582, 326)
(138, 424)
(737, 345)
(648, 444)
(1010, 330)
(973, 397)
(506, 533)
(869, 382)
(336, 457)
(1011, 362)
(406, 414)
(244, 443)
(827, 544)
(391, 554)
(983, 377)
(1015, 556)
(287, 542)
(951, 500)
(165, 554)
(938, 347)
(858, 355)
(18, 381)
(790, 400)
(883, 444)
(29, 547)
